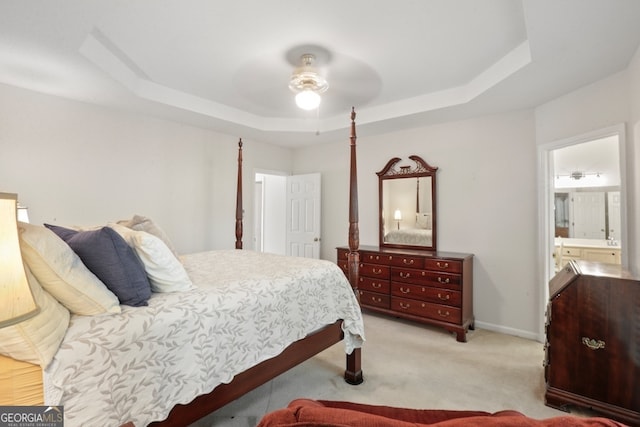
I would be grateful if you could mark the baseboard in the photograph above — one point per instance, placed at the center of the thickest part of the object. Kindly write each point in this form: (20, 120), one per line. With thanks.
(534, 336)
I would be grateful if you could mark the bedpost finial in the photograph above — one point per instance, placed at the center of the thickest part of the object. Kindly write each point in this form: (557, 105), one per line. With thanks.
(240, 143)
(353, 113)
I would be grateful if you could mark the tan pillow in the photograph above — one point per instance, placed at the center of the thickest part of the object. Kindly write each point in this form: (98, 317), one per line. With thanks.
(165, 272)
(61, 272)
(36, 340)
(142, 223)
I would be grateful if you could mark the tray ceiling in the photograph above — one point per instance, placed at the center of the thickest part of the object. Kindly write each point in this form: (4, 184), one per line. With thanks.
(226, 65)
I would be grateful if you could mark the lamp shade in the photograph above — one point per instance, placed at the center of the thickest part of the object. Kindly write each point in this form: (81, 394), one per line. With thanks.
(23, 213)
(16, 300)
(397, 215)
(308, 99)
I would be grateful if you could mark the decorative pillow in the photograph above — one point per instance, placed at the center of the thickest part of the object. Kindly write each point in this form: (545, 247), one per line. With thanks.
(36, 340)
(142, 223)
(165, 272)
(423, 220)
(61, 272)
(109, 257)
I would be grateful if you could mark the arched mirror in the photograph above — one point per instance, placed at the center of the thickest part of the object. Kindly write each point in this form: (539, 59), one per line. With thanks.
(407, 197)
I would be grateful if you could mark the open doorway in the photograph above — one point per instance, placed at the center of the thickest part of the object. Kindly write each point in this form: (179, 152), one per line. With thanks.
(287, 214)
(270, 213)
(582, 202)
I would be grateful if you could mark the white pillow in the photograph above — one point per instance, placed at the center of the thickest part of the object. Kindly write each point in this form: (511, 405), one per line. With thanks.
(61, 272)
(142, 223)
(423, 220)
(36, 340)
(165, 272)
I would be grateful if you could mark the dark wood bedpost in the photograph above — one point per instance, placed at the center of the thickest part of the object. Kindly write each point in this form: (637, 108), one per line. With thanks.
(239, 210)
(354, 232)
(353, 373)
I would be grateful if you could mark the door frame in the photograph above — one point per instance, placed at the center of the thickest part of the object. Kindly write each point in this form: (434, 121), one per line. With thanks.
(546, 244)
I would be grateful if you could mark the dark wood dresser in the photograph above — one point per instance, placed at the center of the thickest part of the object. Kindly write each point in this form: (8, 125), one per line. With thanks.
(424, 286)
(592, 352)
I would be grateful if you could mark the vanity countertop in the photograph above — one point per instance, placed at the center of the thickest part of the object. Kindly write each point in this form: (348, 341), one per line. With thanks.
(586, 243)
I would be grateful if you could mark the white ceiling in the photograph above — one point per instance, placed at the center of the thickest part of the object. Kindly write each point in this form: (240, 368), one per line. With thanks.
(225, 65)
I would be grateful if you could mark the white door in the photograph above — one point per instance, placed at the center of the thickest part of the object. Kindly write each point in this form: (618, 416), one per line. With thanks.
(588, 215)
(614, 214)
(303, 215)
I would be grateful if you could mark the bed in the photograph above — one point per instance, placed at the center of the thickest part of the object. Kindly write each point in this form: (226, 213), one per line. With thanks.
(242, 319)
(409, 236)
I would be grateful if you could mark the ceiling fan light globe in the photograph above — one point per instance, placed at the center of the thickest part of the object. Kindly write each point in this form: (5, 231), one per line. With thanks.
(308, 100)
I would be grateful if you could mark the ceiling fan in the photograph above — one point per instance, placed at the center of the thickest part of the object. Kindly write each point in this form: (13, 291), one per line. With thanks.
(307, 83)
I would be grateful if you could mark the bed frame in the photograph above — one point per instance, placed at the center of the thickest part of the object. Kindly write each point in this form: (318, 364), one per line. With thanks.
(297, 352)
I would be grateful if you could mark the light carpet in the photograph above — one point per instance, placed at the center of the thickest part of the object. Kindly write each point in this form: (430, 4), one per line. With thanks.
(414, 366)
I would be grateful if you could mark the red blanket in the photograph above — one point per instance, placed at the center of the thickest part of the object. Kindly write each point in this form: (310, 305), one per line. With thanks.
(316, 413)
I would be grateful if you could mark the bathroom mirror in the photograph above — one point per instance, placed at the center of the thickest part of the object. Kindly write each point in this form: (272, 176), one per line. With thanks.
(407, 204)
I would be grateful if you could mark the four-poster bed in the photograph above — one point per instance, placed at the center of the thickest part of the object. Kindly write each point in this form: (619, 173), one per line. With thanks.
(131, 380)
(299, 351)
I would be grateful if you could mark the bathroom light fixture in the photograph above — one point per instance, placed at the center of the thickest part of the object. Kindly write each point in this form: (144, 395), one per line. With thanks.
(578, 175)
(307, 84)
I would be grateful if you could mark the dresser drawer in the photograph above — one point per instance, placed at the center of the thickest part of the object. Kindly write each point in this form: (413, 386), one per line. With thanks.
(375, 285)
(407, 261)
(375, 258)
(343, 255)
(427, 293)
(343, 260)
(425, 309)
(444, 265)
(426, 277)
(375, 271)
(374, 299)
(344, 266)
(575, 252)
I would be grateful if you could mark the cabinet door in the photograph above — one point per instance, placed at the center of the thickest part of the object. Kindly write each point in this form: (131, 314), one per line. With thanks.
(609, 256)
(591, 340)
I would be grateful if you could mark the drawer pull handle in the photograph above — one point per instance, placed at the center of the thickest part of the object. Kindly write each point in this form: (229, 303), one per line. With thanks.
(407, 261)
(379, 271)
(443, 297)
(376, 299)
(440, 280)
(593, 344)
(376, 285)
(442, 264)
(405, 291)
(443, 314)
(404, 275)
(405, 306)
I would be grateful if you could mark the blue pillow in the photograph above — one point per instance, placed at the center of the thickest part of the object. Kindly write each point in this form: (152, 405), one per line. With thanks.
(108, 256)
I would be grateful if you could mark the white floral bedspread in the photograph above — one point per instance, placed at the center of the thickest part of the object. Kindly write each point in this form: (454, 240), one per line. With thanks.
(135, 366)
(409, 236)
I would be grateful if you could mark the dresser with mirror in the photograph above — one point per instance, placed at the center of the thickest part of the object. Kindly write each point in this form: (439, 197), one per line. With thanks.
(405, 275)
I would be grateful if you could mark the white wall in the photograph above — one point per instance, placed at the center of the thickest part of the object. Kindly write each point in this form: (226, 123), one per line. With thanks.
(275, 213)
(73, 163)
(486, 204)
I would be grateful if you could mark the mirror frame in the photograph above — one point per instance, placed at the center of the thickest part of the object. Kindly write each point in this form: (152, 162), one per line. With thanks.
(421, 169)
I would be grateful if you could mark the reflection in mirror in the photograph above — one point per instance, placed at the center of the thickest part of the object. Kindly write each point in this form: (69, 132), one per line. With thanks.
(587, 202)
(407, 205)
